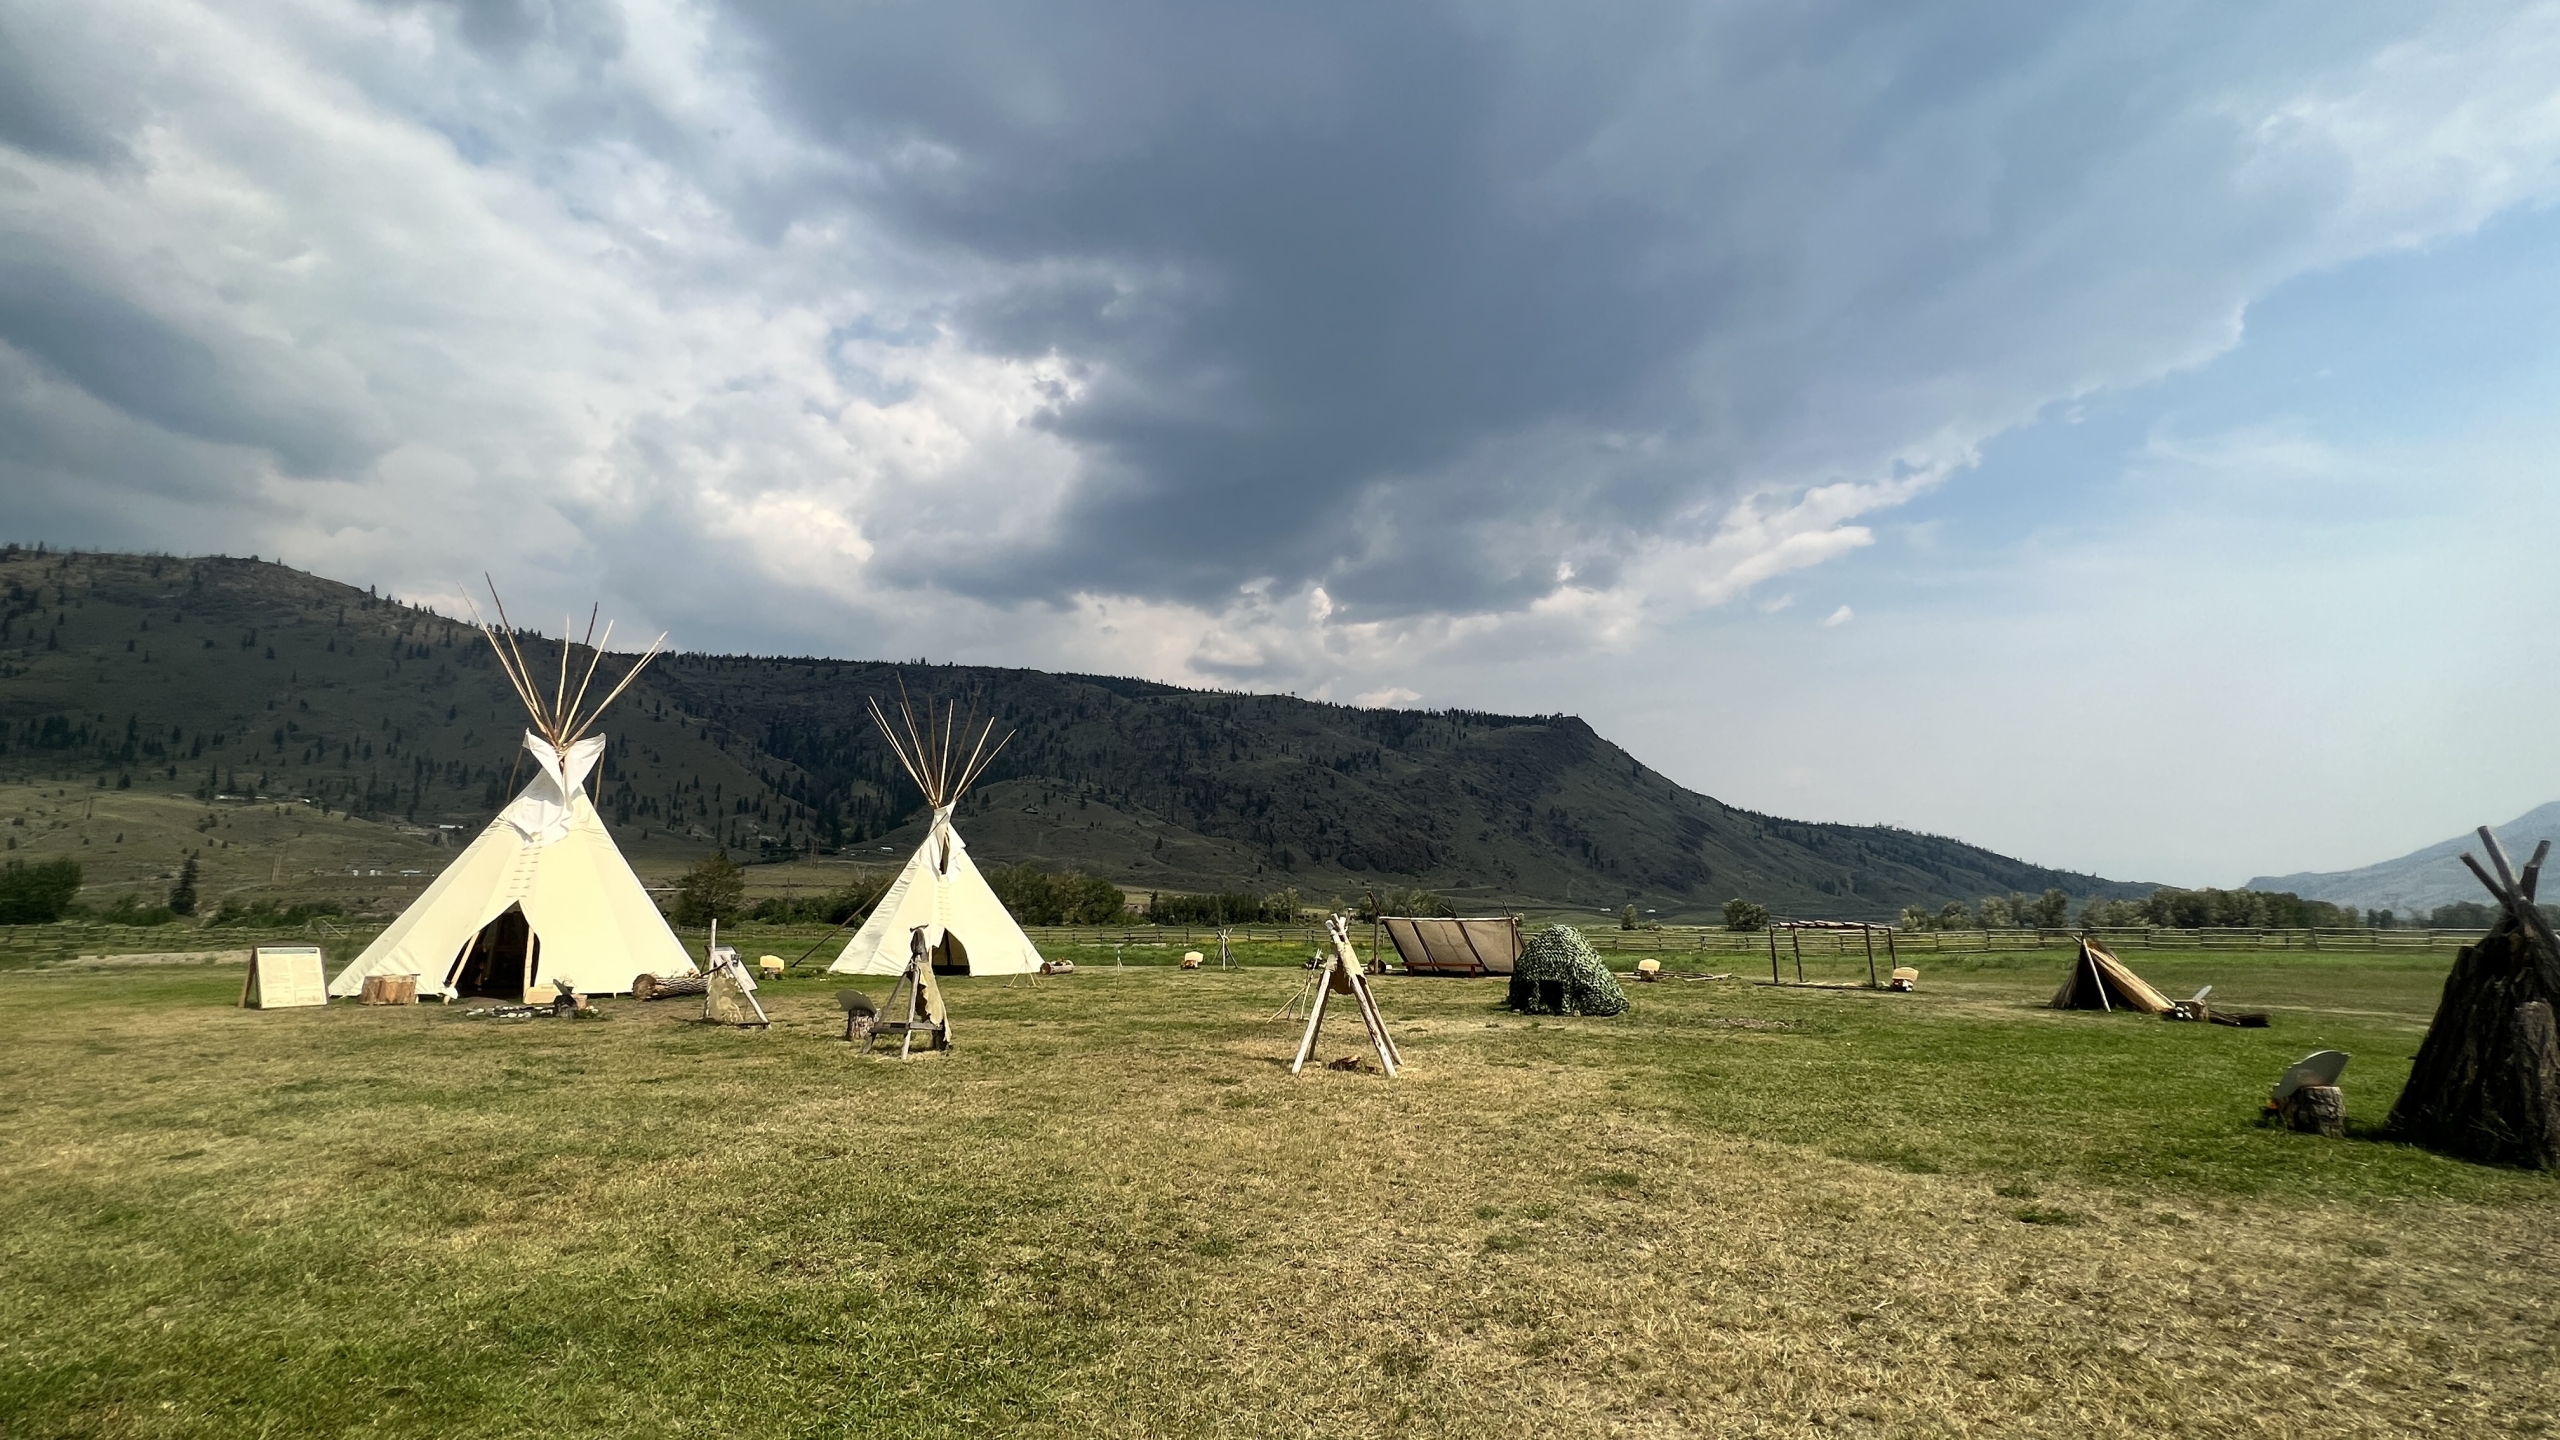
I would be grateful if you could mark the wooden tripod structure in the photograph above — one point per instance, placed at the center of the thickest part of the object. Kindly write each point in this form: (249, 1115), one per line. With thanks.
(2486, 1082)
(1343, 974)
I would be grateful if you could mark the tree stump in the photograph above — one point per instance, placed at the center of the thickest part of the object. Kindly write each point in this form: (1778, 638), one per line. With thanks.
(389, 990)
(2317, 1110)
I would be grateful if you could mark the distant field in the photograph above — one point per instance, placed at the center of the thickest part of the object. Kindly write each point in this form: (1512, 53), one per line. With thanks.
(1736, 1210)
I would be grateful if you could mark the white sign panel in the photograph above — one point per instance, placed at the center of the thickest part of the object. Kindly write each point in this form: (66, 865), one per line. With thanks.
(284, 975)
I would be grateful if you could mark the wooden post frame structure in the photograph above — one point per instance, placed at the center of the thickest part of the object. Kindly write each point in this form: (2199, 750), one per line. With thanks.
(925, 1012)
(1343, 973)
(284, 976)
(1867, 932)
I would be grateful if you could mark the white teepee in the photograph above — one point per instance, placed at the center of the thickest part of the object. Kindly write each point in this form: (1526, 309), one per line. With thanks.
(965, 925)
(543, 896)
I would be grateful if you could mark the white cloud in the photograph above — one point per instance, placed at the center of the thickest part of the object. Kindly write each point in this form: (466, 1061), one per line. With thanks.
(1841, 616)
(604, 310)
(1390, 698)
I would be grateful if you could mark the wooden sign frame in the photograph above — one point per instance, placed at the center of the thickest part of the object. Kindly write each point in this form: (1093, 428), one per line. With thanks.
(279, 980)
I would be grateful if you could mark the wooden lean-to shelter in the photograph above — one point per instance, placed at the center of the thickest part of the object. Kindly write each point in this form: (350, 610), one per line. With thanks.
(1443, 945)
(2100, 981)
(2486, 1083)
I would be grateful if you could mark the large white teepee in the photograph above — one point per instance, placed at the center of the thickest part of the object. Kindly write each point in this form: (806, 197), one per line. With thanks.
(965, 925)
(543, 896)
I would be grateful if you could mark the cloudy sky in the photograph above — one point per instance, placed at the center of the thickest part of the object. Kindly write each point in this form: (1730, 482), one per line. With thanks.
(2121, 435)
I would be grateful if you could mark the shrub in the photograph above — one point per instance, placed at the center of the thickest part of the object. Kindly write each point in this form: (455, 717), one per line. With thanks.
(128, 909)
(1227, 908)
(1038, 898)
(1387, 900)
(840, 907)
(37, 894)
(1741, 914)
(712, 890)
(268, 915)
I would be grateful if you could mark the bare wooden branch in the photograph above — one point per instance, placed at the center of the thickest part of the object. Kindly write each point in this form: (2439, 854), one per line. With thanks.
(595, 657)
(2485, 877)
(2498, 858)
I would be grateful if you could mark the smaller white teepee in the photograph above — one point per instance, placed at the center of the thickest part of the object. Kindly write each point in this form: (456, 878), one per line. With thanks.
(543, 896)
(965, 925)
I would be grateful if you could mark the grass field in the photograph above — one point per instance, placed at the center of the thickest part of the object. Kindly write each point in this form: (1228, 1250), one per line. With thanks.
(1735, 1210)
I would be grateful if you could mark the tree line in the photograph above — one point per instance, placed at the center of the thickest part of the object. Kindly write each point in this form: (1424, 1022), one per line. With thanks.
(2460, 915)
(716, 889)
(2168, 908)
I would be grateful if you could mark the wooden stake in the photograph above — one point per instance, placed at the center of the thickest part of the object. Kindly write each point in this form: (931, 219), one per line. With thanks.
(1315, 1016)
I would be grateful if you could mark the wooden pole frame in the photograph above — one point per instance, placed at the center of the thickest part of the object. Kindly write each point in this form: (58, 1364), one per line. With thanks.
(1342, 971)
(1795, 944)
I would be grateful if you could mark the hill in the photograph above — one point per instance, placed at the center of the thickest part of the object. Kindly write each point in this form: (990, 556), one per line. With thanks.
(2423, 879)
(231, 684)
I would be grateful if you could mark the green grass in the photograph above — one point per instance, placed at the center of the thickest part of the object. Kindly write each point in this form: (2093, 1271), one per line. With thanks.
(1111, 1211)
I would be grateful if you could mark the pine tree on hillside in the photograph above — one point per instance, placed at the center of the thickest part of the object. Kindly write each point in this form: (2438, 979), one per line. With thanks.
(182, 896)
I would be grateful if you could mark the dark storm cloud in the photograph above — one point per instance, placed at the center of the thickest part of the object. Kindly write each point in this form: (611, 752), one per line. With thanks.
(1412, 282)
(50, 109)
(139, 363)
(1430, 305)
(1324, 246)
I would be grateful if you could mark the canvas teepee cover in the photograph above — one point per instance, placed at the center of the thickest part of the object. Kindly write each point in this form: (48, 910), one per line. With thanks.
(2100, 981)
(965, 925)
(543, 896)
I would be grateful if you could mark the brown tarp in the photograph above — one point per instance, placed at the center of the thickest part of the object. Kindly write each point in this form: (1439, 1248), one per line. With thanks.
(2100, 981)
(1431, 945)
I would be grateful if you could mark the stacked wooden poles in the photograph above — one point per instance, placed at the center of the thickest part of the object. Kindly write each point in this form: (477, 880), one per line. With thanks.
(2486, 1083)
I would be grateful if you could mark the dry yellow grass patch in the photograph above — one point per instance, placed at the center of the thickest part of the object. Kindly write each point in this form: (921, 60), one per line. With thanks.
(1111, 1211)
